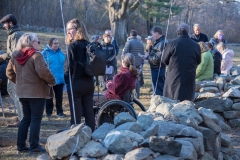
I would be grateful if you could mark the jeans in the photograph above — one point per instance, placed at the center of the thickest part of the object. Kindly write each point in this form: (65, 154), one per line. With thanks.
(158, 88)
(83, 101)
(11, 88)
(33, 111)
(58, 90)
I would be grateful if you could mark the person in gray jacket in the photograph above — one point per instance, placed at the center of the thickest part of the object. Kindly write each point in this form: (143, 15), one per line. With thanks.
(14, 33)
(135, 47)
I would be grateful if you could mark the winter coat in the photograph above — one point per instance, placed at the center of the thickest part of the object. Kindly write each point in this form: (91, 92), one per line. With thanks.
(199, 38)
(214, 42)
(134, 46)
(155, 54)
(182, 56)
(32, 79)
(121, 83)
(217, 58)
(227, 61)
(3, 77)
(110, 53)
(14, 34)
(55, 61)
(114, 43)
(205, 68)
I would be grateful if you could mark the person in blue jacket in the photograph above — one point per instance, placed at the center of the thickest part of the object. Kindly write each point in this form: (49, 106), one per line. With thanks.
(55, 58)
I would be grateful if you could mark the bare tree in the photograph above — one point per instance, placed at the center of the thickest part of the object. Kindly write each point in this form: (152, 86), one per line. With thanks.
(119, 10)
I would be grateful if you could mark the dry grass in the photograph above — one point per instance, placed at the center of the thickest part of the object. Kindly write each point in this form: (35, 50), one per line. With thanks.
(8, 135)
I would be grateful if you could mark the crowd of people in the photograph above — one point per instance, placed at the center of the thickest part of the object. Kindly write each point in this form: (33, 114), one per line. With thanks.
(35, 78)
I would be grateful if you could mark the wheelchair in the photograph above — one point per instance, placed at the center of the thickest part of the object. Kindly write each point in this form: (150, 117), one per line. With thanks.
(107, 110)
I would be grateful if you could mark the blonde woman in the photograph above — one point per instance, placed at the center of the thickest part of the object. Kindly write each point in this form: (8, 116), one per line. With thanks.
(28, 70)
(83, 86)
(218, 37)
(227, 58)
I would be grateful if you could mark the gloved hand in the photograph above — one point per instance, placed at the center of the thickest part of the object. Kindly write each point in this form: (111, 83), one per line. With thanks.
(109, 63)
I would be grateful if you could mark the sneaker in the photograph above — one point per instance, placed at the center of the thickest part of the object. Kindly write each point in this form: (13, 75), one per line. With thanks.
(61, 115)
(23, 149)
(38, 149)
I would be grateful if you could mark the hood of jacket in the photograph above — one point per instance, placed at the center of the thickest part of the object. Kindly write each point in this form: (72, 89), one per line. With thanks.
(26, 53)
(13, 29)
(228, 52)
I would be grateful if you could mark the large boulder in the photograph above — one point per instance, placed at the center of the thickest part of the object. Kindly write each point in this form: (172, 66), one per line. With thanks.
(102, 131)
(156, 100)
(235, 122)
(164, 108)
(211, 124)
(130, 126)
(225, 140)
(92, 149)
(236, 106)
(209, 138)
(231, 114)
(209, 89)
(64, 143)
(187, 151)
(208, 113)
(114, 157)
(139, 154)
(145, 121)
(235, 81)
(232, 93)
(122, 118)
(168, 157)
(152, 131)
(185, 110)
(216, 104)
(165, 145)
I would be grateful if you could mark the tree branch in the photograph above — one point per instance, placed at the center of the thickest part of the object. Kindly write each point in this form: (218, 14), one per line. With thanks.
(134, 6)
(99, 5)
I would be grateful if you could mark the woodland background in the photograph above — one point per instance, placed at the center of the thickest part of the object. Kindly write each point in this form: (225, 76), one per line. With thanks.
(123, 15)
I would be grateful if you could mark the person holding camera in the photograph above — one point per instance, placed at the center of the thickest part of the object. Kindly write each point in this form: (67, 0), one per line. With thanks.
(154, 59)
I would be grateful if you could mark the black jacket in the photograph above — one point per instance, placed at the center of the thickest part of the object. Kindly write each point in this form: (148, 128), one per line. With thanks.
(155, 54)
(199, 38)
(77, 56)
(110, 52)
(182, 57)
(217, 57)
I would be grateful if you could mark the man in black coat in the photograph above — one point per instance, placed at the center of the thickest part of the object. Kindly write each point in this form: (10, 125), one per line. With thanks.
(182, 56)
(197, 36)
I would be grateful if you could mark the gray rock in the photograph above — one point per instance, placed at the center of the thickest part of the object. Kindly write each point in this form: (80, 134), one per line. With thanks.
(208, 113)
(225, 140)
(207, 95)
(145, 142)
(224, 126)
(102, 131)
(235, 122)
(228, 150)
(164, 108)
(235, 71)
(236, 106)
(186, 109)
(217, 147)
(43, 157)
(227, 157)
(188, 151)
(219, 117)
(122, 118)
(168, 157)
(209, 138)
(236, 100)
(73, 157)
(216, 104)
(197, 144)
(210, 84)
(171, 129)
(130, 126)
(231, 114)
(235, 157)
(156, 100)
(189, 121)
(221, 82)
(220, 156)
(145, 121)
(210, 124)
(92, 149)
(86, 158)
(197, 87)
(232, 93)
(152, 131)
(209, 89)
(139, 154)
(165, 145)
(62, 144)
(114, 157)
(235, 81)
(207, 157)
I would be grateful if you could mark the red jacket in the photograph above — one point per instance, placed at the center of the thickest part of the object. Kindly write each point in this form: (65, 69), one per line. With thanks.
(121, 83)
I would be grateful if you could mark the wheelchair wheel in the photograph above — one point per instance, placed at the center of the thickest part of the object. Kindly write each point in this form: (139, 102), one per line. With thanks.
(110, 109)
(136, 105)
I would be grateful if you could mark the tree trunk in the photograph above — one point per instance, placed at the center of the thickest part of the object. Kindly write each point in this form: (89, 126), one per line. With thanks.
(118, 28)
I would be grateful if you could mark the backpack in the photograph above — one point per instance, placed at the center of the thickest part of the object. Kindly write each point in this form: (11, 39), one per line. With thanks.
(95, 64)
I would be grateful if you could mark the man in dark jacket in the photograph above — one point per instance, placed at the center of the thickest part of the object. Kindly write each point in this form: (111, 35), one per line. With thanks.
(135, 47)
(110, 55)
(3, 77)
(197, 36)
(14, 33)
(158, 68)
(182, 57)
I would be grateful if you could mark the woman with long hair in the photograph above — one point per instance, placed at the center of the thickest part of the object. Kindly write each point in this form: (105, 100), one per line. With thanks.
(83, 85)
(33, 79)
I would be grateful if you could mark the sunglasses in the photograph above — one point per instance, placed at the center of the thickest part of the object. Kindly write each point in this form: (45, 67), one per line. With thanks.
(37, 42)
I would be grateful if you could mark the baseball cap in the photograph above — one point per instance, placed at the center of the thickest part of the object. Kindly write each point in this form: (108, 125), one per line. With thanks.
(95, 38)
(8, 18)
(149, 38)
(183, 26)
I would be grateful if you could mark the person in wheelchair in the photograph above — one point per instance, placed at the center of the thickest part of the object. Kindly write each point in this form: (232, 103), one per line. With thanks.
(121, 82)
